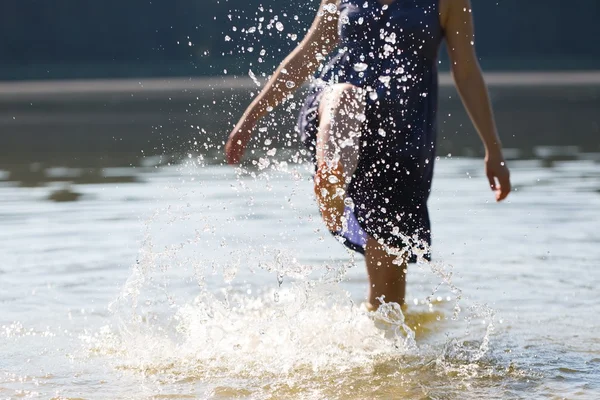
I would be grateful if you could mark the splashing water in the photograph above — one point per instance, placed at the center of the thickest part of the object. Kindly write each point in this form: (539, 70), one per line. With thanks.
(252, 76)
(307, 335)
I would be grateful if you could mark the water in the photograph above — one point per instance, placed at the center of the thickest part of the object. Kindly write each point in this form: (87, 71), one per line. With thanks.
(196, 281)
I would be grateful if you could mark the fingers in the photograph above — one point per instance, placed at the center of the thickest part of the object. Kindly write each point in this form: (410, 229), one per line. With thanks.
(504, 188)
(492, 181)
(237, 142)
(235, 146)
(233, 154)
(498, 178)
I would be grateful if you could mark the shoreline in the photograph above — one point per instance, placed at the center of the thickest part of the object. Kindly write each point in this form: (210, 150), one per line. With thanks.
(96, 118)
(162, 85)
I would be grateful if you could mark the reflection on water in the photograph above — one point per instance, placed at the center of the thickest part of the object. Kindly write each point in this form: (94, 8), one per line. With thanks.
(66, 194)
(110, 171)
(37, 174)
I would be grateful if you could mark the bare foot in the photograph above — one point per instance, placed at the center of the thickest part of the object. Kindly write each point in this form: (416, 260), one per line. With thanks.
(329, 189)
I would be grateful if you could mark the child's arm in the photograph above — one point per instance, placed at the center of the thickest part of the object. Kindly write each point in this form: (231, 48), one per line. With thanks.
(297, 67)
(473, 91)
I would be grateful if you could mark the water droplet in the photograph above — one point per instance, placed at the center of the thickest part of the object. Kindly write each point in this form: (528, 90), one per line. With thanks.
(290, 84)
(333, 179)
(385, 80)
(252, 29)
(360, 67)
(279, 26)
(227, 38)
(330, 8)
(381, 132)
(253, 77)
(263, 163)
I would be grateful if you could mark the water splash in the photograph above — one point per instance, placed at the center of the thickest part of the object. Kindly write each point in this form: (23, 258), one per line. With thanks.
(254, 78)
(308, 328)
(297, 332)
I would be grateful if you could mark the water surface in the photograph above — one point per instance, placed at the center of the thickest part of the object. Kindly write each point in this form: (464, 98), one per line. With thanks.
(193, 281)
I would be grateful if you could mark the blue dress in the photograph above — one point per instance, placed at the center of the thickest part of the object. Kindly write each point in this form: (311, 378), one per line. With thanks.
(391, 51)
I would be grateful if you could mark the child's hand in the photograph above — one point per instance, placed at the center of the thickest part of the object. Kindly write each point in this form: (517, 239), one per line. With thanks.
(498, 176)
(238, 140)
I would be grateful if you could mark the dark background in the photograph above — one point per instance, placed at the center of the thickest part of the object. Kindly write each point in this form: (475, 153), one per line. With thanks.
(161, 109)
(42, 39)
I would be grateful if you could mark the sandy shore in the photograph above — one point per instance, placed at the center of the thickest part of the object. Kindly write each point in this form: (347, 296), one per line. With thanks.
(95, 118)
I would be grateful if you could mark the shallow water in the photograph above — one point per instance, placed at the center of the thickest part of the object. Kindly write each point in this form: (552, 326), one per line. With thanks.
(203, 282)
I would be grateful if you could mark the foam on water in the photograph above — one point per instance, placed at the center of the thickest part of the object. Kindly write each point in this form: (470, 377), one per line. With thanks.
(304, 338)
(312, 324)
(183, 317)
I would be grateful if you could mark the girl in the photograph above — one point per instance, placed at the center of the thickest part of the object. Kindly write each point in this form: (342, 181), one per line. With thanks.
(370, 122)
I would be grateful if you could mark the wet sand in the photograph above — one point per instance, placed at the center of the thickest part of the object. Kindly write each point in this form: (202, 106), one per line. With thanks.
(132, 118)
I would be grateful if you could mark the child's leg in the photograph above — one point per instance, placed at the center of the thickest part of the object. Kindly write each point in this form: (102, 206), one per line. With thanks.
(387, 277)
(341, 115)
